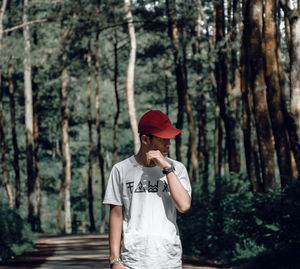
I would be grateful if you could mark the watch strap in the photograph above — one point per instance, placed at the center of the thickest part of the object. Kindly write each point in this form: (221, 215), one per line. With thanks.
(115, 261)
(168, 170)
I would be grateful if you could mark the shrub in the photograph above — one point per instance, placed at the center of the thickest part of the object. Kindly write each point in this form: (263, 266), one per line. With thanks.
(238, 227)
(15, 234)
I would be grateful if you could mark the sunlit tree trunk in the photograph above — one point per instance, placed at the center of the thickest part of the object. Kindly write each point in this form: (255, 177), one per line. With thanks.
(179, 72)
(254, 71)
(66, 148)
(66, 33)
(31, 179)
(101, 160)
(16, 151)
(275, 96)
(130, 76)
(91, 145)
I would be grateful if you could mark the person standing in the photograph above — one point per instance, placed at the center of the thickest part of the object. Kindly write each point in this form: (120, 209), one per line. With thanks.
(144, 192)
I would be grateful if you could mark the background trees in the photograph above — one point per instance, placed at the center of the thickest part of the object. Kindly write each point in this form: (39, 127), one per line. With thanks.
(226, 72)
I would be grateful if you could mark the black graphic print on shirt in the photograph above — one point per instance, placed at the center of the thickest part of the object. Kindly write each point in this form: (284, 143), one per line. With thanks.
(148, 186)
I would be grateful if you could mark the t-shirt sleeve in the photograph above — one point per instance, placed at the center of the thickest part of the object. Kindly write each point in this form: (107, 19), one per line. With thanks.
(113, 189)
(184, 178)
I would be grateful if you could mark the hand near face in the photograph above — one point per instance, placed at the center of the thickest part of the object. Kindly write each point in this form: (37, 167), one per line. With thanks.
(155, 157)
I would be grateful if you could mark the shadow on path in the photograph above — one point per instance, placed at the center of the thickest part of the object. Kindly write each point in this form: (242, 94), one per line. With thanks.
(71, 251)
(62, 252)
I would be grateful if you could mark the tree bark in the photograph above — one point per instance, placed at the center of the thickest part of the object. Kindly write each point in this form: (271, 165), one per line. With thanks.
(295, 83)
(179, 70)
(117, 98)
(221, 79)
(3, 155)
(274, 91)
(91, 146)
(31, 179)
(66, 148)
(38, 190)
(233, 93)
(254, 69)
(192, 156)
(100, 154)
(130, 76)
(3, 146)
(16, 151)
(293, 116)
(203, 155)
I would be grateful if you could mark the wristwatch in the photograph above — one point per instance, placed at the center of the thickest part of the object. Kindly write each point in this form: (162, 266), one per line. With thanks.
(168, 170)
(115, 261)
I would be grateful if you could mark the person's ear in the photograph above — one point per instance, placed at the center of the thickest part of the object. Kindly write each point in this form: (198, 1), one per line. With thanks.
(145, 139)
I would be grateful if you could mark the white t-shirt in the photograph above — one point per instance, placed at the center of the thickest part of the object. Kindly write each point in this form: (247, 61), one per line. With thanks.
(150, 233)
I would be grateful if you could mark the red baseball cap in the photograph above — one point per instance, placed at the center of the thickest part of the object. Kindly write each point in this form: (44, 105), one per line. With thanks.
(156, 123)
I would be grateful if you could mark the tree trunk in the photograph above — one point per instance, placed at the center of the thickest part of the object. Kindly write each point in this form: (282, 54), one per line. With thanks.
(192, 156)
(31, 184)
(292, 19)
(166, 88)
(59, 208)
(221, 79)
(130, 76)
(203, 155)
(91, 147)
(16, 153)
(233, 94)
(3, 155)
(36, 141)
(117, 98)
(250, 142)
(38, 190)
(275, 96)
(179, 70)
(295, 83)
(99, 143)
(66, 148)
(3, 147)
(253, 49)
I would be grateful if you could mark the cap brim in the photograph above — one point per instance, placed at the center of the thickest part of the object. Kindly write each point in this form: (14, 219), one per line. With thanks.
(168, 133)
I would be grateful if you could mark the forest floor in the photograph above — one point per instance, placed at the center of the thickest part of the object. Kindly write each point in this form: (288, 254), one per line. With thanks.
(77, 251)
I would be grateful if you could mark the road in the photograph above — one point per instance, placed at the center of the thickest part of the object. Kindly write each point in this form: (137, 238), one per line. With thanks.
(70, 252)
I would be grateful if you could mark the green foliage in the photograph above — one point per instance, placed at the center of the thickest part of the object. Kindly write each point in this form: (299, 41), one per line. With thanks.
(15, 234)
(242, 228)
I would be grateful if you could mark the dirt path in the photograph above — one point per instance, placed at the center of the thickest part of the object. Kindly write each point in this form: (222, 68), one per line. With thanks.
(72, 251)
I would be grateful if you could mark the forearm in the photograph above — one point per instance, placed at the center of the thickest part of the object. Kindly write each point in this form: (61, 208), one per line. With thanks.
(179, 194)
(115, 230)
